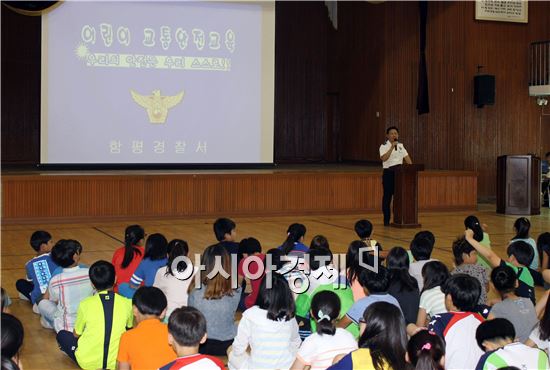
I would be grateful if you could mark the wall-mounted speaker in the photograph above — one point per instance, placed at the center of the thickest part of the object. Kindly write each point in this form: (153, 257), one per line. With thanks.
(484, 90)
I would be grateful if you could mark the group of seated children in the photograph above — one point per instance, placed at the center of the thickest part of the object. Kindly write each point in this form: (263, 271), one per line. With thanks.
(396, 309)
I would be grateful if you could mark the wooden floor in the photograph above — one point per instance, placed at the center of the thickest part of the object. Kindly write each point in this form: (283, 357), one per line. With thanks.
(101, 239)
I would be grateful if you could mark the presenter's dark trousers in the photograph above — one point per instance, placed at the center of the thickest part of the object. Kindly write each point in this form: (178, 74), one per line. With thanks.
(388, 183)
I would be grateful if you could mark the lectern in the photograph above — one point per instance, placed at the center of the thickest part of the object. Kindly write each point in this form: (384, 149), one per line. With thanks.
(405, 198)
(518, 184)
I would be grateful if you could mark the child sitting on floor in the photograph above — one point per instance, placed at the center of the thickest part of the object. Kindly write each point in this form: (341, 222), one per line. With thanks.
(496, 337)
(225, 230)
(39, 269)
(458, 326)
(466, 263)
(254, 260)
(156, 249)
(186, 332)
(426, 351)
(363, 229)
(174, 279)
(375, 285)
(522, 227)
(12, 340)
(382, 342)
(216, 299)
(145, 346)
(126, 259)
(66, 289)
(472, 222)
(319, 241)
(319, 349)
(520, 255)
(421, 248)
(268, 328)
(105, 312)
(403, 286)
(432, 298)
(519, 311)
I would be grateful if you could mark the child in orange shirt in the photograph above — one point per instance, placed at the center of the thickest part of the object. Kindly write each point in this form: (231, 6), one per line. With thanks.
(146, 346)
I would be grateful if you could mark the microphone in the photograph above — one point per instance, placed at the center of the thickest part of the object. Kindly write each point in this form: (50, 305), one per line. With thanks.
(395, 147)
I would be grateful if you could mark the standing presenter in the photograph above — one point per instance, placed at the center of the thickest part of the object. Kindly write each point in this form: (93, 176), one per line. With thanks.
(392, 153)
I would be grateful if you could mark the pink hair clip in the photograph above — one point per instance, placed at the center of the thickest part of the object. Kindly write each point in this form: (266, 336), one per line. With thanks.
(427, 346)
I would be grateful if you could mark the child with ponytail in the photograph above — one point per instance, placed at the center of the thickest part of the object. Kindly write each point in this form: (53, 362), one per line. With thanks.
(522, 227)
(127, 258)
(472, 222)
(319, 349)
(426, 351)
(175, 278)
(295, 250)
(294, 242)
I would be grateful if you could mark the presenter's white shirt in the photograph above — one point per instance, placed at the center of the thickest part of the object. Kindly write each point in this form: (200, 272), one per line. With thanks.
(396, 156)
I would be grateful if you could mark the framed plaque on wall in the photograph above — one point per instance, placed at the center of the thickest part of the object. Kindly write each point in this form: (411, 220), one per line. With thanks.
(502, 10)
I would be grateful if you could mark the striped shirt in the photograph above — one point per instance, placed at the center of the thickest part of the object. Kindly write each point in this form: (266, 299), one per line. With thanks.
(433, 301)
(68, 289)
(318, 351)
(273, 344)
(146, 271)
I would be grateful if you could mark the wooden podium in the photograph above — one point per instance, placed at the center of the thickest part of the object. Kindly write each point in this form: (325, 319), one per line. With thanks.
(405, 198)
(518, 185)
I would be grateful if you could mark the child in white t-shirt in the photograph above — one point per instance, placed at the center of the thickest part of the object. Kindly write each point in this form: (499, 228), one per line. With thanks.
(432, 298)
(175, 278)
(319, 349)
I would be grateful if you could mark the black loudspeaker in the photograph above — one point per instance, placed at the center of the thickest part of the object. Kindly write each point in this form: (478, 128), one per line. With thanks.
(484, 90)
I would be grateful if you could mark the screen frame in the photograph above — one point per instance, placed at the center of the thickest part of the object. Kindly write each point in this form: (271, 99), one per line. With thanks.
(267, 137)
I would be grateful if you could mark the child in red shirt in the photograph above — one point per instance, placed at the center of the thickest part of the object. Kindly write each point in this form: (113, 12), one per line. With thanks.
(254, 260)
(126, 259)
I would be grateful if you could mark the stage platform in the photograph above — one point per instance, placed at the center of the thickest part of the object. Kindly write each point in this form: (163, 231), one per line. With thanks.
(30, 196)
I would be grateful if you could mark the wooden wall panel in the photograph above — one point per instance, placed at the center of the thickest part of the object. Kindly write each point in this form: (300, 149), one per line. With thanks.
(300, 81)
(20, 88)
(455, 135)
(368, 65)
(455, 190)
(37, 198)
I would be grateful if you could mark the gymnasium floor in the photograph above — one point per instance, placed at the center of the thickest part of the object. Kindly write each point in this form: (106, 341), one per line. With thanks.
(100, 239)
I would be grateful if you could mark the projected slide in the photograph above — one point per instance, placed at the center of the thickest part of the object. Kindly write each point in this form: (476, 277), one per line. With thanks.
(163, 82)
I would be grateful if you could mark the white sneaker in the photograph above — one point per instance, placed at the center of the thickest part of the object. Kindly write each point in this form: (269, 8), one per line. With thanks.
(45, 323)
(35, 309)
(23, 297)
